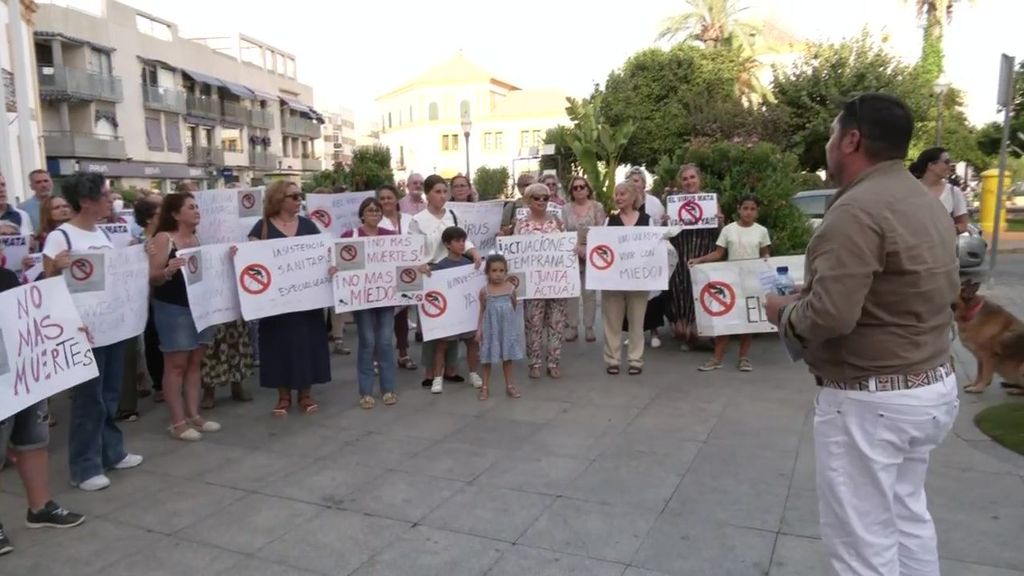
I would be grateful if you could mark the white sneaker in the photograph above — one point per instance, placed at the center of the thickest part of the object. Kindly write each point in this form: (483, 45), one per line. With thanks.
(98, 482)
(476, 380)
(129, 461)
(655, 342)
(207, 426)
(438, 386)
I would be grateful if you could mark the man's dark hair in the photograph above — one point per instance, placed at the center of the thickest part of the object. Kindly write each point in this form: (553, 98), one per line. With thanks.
(884, 122)
(83, 186)
(749, 197)
(145, 208)
(451, 234)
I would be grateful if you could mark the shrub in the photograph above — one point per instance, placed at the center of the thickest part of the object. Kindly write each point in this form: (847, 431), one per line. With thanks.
(491, 183)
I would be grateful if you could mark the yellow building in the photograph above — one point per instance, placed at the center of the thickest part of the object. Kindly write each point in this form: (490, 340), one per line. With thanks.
(422, 121)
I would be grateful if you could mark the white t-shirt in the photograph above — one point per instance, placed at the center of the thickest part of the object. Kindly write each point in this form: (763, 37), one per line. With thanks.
(743, 242)
(405, 221)
(655, 209)
(953, 199)
(430, 226)
(81, 240)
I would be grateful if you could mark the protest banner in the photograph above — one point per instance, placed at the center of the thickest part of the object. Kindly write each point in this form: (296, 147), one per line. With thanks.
(210, 283)
(110, 288)
(227, 215)
(451, 302)
(42, 347)
(553, 210)
(126, 217)
(13, 250)
(284, 275)
(480, 220)
(120, 234)
(692, 211)
(542, 265)
(34, 270)
(729, 296)
(378, 271)
(633, 258)
(336, 213)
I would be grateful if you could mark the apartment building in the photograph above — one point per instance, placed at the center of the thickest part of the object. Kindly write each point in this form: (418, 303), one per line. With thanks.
(125, 95)
(424, 121)
(20, 151)
(339, 138)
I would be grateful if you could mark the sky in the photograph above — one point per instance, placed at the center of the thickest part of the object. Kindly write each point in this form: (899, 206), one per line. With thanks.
(351, 52)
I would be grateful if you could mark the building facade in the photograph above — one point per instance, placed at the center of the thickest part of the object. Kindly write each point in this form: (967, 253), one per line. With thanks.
(422, 122)
(125, 95)
(20, 149)
(339, 138)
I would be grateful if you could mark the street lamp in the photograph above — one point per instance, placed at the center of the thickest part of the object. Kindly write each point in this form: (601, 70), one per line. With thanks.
(940, 87)
(467, 125)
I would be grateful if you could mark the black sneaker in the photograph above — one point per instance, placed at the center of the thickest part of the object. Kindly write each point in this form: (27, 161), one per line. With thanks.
(5, 543)
(53, 515)
(454, 378)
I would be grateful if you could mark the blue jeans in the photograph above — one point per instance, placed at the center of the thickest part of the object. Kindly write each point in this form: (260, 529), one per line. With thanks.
(376, 334)
(95, 443)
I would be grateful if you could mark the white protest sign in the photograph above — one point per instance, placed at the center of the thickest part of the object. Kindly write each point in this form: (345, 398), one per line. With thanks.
(283, 275)
(729, 296)
(542, 265)
(210, 283)
(227, 215)
(13, 250)
(633, 258)
(120, 234)
(34, 270)
(42, 349)
(126, 217)
(692, 211)
(553, 210)
(378, 271)
(110, 288)
(480, 220)
(336, 213)
(451, 302)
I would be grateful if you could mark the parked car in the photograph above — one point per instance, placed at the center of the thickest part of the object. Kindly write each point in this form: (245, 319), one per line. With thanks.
(970, 246)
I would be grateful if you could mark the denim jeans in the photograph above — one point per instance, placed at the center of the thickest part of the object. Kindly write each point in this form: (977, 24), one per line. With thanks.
(95, 443)
(376, 334)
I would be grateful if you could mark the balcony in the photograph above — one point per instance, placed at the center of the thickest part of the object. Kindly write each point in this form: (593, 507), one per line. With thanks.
(163, 98)
(217, 156)
(295, 126)
(78, 145)
(202, 107)
(261, 119)
(61, 82)
(200, 155)
(234, 113)
(263, 160)
(312, 164)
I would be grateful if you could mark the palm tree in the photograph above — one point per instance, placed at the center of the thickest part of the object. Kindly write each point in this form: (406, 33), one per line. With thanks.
(935, 14)
(709, 22)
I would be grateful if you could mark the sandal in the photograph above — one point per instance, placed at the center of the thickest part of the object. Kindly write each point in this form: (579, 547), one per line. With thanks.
(284, 403)
(590, 335)
(202, 425)
(143, 392)
(511, 391)
(121, 416)
(182, 431)
(744, 365)
(209, 401)
(367, 402)
(572, 334)
(407, 363)
(613, 370)
(554, 372)
(306, 402)
(634, 370)
(158, 397)
(390, 399)
(483, 394)
(239, 393)
(534, 372)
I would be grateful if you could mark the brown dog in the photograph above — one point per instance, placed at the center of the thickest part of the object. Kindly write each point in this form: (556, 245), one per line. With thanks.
(994, 336)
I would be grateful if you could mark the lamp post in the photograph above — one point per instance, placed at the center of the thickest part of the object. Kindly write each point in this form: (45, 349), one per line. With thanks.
(940, 87)
(467, 125)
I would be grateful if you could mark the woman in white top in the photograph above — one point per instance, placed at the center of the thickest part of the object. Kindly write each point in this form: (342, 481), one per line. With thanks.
(933, 168)
(95, 442)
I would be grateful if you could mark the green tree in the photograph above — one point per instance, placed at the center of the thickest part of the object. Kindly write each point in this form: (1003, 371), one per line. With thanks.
(491, 183)
(371, 167)
(935, 15)
(990, 135)
(675, 96)
(732, 170)
(597, 144)
(709, 22)
(337, 176)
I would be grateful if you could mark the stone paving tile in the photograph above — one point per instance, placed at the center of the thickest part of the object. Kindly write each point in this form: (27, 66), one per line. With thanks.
(380, 451)
(489, 512)
(83, 551)
(801, 514)
(427, 551)
(326, 482)
(452, 460)
(256, 567)
(527, 410)
(495, 433)
(679, 544)
(532, 472)
(523, 560)
(172, 557)
(650, 484)
(263, 519)
(601, 531)
(179, 506)
(403, 496)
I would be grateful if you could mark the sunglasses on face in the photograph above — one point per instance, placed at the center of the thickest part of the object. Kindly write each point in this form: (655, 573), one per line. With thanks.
(293, 196)
(541, 198)
(579, 187)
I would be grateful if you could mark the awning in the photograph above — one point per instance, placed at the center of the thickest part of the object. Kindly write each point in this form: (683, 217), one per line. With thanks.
(200, 77)
(265, 96)
(157, 62)
(296, 105)
(316, 115)
(238, 89)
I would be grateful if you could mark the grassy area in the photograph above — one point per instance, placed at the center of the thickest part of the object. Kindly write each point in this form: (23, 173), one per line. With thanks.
(1015, 225)
(1004, 424)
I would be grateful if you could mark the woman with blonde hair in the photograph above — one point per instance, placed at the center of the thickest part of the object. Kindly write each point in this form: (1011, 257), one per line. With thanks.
(579, 214)
(293, 346)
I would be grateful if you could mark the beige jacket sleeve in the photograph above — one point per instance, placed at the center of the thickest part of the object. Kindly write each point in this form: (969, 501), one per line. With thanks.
(846, 252)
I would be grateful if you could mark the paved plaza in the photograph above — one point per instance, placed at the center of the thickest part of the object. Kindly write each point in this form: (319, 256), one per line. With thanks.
(670, 473)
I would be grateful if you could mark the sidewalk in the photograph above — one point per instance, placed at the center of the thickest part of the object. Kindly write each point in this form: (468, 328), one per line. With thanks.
(1009, 242)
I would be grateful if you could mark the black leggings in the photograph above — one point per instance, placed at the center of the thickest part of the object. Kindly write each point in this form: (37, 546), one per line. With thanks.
(154, 358)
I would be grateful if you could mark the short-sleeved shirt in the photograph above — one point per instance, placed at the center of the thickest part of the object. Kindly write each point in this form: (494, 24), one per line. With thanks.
(953, 199)
(743, 242)
(81, 240)
(448, 262)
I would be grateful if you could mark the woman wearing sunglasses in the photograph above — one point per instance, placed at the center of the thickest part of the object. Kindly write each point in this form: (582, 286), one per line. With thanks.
(579, 214)
(933, 168)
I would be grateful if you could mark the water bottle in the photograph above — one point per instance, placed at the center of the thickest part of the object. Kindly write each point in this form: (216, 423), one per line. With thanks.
(784, 285)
